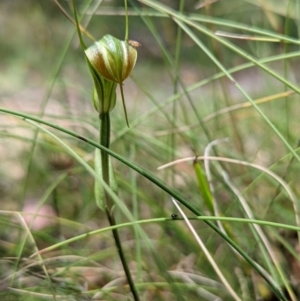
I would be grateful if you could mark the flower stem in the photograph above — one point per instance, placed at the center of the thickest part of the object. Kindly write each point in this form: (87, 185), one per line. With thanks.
(126, 20)
(105, 140)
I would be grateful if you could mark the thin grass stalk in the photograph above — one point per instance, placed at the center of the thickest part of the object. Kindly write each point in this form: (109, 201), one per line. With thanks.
(126, 20)
(168, 219)
(172, 65)
(157, 182)
(45, 99)
(207, 254)
(183, 21)
(175, 90)
(135, 206)
(200, 84)
(263, 241)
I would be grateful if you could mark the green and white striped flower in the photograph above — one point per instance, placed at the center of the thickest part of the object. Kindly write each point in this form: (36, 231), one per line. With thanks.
(111, 62)
(112, 58)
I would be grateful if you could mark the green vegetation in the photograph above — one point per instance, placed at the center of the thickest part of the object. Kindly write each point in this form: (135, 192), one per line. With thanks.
(197, 199)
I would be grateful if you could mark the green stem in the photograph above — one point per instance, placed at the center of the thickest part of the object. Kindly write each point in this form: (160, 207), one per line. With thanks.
(126, 20)
(104, 141)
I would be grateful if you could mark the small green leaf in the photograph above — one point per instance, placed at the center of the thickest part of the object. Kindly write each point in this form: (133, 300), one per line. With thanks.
(112, 179)
(203, 187)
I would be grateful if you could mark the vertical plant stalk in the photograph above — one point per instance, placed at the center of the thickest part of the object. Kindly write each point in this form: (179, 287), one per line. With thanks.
(126, 20)
(110, 62)
(105, 141)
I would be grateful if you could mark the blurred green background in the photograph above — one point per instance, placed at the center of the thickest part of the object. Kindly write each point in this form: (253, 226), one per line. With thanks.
(43, 73)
